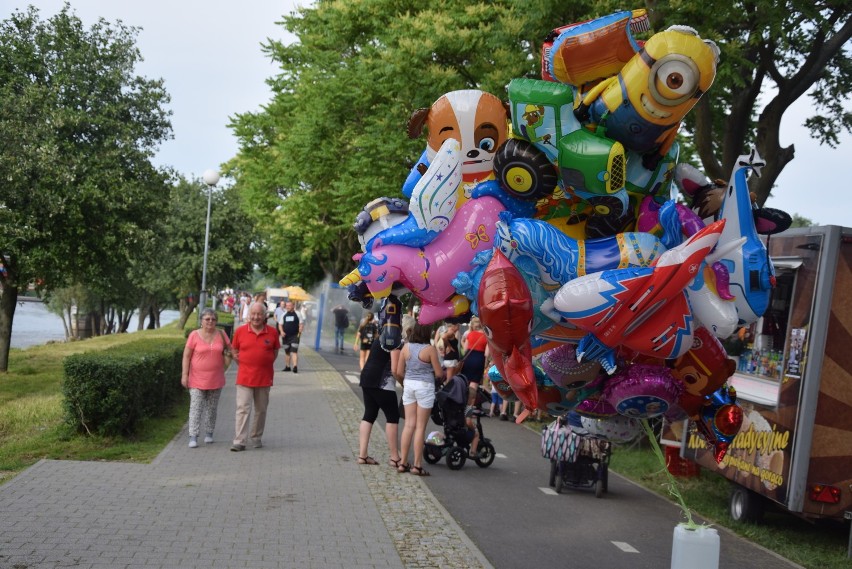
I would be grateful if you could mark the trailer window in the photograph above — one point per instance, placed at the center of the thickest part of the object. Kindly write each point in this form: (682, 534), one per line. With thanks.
(764, 355)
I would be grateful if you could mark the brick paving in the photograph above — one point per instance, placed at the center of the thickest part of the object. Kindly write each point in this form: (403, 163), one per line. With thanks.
(301, 501)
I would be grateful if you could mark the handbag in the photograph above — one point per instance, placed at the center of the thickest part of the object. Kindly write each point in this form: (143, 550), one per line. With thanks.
(559, 442)
(227, 356)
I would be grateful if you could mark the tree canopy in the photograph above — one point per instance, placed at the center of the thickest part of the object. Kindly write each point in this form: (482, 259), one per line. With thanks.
(333, 136)
(79, 194)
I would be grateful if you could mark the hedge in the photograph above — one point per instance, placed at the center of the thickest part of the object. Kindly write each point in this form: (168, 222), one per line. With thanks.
(109, 392)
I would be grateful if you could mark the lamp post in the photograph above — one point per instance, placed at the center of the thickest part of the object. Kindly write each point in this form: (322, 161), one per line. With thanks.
(211, 178)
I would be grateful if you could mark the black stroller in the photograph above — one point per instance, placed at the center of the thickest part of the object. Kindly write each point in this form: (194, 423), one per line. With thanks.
(448, 411)
(576, 460)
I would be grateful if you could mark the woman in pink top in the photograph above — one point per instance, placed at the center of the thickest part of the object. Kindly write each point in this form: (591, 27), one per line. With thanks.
(204, 375)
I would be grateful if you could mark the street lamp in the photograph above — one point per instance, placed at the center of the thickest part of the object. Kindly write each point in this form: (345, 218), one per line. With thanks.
(211, 178)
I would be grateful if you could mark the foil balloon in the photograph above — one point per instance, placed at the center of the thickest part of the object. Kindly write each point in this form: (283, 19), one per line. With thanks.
(562, 367)
(643, 391)
(644, 309)
(618, 428)
(578, 54)
(428, 271)
(476, 119)
(720, 420)
(596, 407)
(500, 384)
(705, 367)
(435, 438)
(506, 312)
(642, 106)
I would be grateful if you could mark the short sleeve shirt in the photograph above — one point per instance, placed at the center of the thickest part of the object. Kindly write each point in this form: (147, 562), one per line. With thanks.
(206, 367)
(256, 355)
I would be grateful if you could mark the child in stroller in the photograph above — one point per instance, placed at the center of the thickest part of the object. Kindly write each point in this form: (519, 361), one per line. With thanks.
(461, 433)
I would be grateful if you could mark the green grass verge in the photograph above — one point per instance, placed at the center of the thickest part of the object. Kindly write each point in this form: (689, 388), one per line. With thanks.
(813, 545)
(31, 424)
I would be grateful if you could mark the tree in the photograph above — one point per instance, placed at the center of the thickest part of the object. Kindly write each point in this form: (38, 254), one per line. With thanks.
(771, 56)
(180, 248)
(333, 136)
(79, 128)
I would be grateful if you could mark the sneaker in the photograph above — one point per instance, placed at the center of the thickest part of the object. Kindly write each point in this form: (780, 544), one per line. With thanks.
(238, 448)
(193, 442)
(208, 439)
(504, 417)
(286, 368)
(257, 444)
(295, 369)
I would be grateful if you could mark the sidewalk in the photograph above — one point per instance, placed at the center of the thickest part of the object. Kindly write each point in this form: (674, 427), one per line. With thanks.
(301, 501)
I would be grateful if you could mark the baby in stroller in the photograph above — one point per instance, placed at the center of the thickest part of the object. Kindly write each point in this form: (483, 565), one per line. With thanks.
(462, 437)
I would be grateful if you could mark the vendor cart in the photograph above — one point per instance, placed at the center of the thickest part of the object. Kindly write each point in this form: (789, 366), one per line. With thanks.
(577, 460)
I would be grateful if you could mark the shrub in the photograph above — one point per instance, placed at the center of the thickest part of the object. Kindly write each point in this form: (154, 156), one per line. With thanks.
(111, 391)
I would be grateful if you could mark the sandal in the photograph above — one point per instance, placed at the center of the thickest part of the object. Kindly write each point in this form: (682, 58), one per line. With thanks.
(403, 468)
(420, 471)
(394, 463)
(367, 460)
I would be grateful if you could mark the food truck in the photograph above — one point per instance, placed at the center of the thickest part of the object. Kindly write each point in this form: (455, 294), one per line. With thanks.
(794, 383)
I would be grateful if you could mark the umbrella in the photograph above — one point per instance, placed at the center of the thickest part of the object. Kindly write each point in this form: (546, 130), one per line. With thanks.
(298, 294)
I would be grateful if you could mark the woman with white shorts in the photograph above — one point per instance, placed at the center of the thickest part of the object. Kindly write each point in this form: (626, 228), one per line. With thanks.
(417, 367)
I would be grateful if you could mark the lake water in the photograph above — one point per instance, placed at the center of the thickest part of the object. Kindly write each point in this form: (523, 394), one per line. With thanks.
(34, 324)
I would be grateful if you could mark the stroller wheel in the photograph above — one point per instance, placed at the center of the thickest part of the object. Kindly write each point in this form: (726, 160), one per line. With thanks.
(552, 472)
(456, 458)
(432, 454)
(486, 454)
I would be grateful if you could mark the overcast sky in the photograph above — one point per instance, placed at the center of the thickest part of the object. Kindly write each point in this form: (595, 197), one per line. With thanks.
(208, 52)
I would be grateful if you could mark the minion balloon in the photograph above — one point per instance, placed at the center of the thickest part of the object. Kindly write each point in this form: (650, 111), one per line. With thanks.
(643, 105)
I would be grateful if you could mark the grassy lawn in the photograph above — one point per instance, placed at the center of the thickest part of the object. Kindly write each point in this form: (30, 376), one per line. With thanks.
(31, 425)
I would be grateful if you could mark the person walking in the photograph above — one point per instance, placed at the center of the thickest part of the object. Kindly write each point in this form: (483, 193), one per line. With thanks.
(379, 388)
(203, 373)
(290, 328)
(255, 348)
(417, 368)
(341, 323)
(364, 338)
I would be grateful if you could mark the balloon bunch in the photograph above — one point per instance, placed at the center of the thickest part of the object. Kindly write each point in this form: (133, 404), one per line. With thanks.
(550, 218)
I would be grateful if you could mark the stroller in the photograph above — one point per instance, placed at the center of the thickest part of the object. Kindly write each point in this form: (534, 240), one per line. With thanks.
(576, 460)
(454, 442)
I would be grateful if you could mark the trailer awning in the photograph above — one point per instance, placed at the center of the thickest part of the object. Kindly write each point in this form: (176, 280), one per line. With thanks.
(789, 263)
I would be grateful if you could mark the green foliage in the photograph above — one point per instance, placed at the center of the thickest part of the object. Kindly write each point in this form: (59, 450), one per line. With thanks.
(111, 392)
(333, 137)
(801, 221)
(79, 193)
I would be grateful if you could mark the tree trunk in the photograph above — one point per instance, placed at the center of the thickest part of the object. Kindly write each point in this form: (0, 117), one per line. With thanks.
(153, 317)
(186, 307)
(8, 303)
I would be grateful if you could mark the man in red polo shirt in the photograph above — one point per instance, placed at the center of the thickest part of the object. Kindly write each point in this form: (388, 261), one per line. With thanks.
(255, 348)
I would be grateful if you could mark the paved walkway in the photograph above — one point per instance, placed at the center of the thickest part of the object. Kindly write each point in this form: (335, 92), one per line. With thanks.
(301, 501)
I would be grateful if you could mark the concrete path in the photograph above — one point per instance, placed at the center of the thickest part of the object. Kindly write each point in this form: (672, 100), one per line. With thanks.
(301, 501)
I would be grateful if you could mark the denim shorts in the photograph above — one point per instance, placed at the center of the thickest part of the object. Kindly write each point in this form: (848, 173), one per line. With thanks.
(420, 392)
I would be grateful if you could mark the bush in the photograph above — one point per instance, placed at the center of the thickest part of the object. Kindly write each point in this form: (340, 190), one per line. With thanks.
(110, 392)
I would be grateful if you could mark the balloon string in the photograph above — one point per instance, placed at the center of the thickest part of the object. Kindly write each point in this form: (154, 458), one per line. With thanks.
(671, 485)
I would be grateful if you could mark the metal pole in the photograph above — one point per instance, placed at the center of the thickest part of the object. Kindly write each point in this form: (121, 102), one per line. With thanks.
(210, 178)
(202, 298)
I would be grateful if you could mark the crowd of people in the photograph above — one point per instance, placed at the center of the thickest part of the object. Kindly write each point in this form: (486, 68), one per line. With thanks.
(427, 358)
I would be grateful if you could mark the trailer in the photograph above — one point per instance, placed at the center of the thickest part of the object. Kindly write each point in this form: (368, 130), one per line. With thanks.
(794, 383)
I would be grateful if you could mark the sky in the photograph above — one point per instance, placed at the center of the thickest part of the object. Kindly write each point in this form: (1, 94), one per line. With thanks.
(209, 54)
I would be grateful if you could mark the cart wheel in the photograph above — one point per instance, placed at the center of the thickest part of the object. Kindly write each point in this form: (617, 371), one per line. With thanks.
(456, 458)
(559, 480)
(486, 455)
(599, 489)
(552, 473)
(432, 454)
(745, 505)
